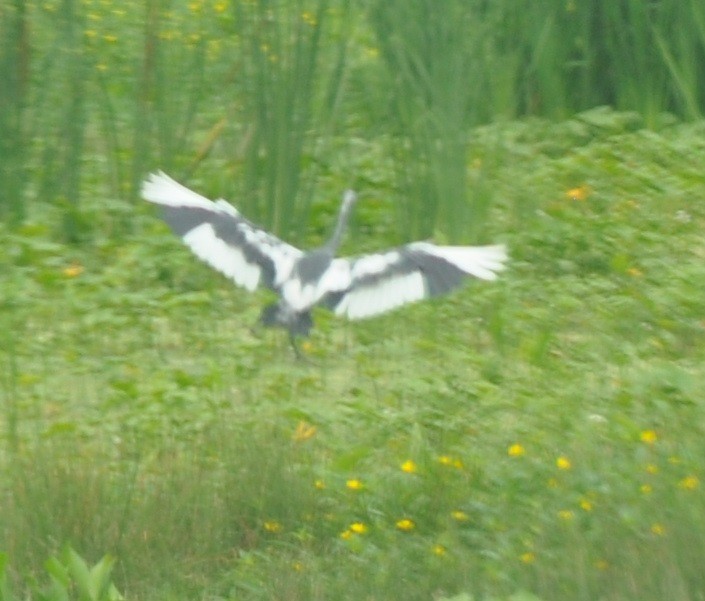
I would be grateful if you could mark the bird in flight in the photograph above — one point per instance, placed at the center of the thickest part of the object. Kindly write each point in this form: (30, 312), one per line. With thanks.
(355, 287)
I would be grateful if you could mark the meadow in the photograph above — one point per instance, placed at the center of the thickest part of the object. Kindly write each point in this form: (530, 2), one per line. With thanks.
(535, 438)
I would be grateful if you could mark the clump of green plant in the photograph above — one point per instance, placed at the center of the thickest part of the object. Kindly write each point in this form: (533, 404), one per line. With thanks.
(70, 577)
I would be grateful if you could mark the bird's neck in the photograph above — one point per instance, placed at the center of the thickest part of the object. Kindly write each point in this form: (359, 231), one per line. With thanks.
(337, 236)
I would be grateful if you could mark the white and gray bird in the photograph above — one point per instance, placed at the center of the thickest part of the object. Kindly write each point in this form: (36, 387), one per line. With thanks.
(356, 287)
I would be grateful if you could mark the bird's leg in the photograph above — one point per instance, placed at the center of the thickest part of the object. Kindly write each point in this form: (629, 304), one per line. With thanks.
(295, 346)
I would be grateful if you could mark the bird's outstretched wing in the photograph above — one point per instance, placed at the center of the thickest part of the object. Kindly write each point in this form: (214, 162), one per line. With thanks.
(220, 236)
(372, 284)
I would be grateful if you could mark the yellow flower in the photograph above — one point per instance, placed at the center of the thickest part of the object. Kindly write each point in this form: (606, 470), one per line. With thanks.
(528, 557)
(303, 431)
(371, 52)
(635, 272)
(355, 484)
(566, 515)
(459, 516)
(601, 564)
(358, 528)
(449, 461)
(406, 525)
(648, 437)
(409, 467)
(346, 534)
(439, 550)
(309, 18)
(319, 484)
(579, 193)
(220, 6)
(689, 483)
(73, 270)
(651, 469)
(110, 38)
(563, 463)
(658, 529)
(586, 504)
(272, 526)
(646, 489)
(516, 450)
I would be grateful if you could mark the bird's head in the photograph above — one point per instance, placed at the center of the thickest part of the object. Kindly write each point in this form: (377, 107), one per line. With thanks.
(349, 199)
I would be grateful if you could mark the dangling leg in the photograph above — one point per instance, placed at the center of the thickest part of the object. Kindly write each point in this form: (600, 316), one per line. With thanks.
(299, 325)
(297, 351)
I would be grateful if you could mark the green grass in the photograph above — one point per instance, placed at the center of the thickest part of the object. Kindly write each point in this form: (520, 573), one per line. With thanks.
(535, 438)
(540, 437)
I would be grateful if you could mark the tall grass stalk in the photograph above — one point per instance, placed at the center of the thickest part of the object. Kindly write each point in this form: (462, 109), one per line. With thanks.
(639, 78)
(145, 95)
(72, 130)
(60, 112)
(14, 73)
(152, 114)
(423, 53)
(683, 51)
(8, 378)
(282, 89)
(435, 67)
(170, 92)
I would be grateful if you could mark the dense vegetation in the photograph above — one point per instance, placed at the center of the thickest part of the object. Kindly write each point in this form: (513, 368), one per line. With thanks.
(536, 438)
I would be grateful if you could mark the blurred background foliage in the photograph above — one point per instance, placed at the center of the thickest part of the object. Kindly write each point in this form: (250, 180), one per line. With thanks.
(273, 92)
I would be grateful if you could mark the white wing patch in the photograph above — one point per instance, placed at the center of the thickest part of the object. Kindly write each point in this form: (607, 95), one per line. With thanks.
(336, 277)
(227, 259)
(243, 255)
(160, 189)
(381, 282)
(371, 265)
(482, 262)
(226, 207)
(367, 301)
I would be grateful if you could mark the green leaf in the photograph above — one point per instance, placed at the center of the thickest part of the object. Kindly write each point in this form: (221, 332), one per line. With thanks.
(100, 584)
(80, 573)
(5, 594)
(57, 572)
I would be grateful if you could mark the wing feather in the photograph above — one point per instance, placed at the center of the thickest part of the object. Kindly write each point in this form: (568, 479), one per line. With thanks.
(380, 282)
(219, 235)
